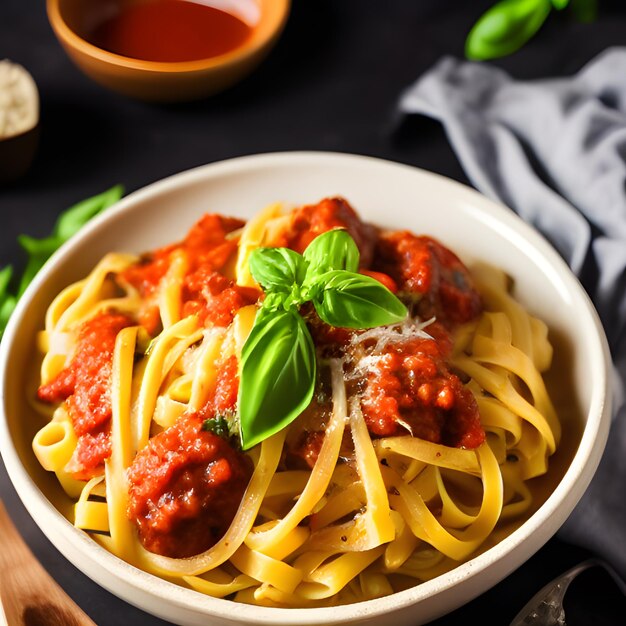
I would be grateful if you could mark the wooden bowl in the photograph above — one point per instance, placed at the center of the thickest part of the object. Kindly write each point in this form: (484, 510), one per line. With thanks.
(154, 81)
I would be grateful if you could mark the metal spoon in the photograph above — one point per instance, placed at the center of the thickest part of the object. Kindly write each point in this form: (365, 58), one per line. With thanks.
(545, 608)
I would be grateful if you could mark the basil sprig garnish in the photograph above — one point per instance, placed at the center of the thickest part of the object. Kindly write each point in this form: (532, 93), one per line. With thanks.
(278, 362)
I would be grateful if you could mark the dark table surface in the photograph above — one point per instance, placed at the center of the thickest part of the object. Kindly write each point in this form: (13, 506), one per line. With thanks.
(331, 83)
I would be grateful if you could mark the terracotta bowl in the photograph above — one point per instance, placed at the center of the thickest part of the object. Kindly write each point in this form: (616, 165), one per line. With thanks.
(154, 81)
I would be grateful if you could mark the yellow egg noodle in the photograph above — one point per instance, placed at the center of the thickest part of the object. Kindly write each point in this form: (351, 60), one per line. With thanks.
(404, 511)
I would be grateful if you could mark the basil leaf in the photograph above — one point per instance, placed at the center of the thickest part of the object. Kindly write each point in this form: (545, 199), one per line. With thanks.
(7, 301)
(505, 28)
(356, 301)
(68, 224)
(6, 309)
(217, 425)
(559, 4)
(74, 218)
(277, 269)
(5, 278)
(277, 375)
(332, 250)
(39, 251)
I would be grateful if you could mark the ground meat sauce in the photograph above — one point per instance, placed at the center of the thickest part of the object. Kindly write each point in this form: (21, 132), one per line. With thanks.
(185, 488)
(422, 267)
(411, 389)
(312, 220)
(85, 385)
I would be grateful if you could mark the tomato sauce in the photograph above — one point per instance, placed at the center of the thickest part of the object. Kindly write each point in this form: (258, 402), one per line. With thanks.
(185, 488)
(207, 250)
(85, 385)
(170, 31)
(424, 268)
(223, 399)
(205, 246)
(214, 298)
(411, 390)
(312, 220)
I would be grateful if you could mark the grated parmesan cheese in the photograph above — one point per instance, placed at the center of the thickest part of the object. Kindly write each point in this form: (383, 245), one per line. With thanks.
(384, 335)
(364, 358)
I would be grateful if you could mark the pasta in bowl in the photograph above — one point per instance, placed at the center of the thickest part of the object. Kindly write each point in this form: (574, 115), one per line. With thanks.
(304, 410)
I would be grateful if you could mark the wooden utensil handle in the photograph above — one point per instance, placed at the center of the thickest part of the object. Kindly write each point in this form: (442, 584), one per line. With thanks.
(30, 597)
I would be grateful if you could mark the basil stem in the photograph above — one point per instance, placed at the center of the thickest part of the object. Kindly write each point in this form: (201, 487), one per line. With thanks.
(7, 301)
(5, 278)
(6, 309)
(39, 251)
(506, 27)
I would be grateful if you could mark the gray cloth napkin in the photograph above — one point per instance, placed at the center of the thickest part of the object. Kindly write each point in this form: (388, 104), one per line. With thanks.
(554, 150)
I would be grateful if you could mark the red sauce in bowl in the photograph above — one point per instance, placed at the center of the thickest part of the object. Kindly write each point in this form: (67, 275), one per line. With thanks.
(170, 31)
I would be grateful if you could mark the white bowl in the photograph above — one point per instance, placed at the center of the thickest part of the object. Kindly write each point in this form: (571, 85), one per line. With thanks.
(398, 196)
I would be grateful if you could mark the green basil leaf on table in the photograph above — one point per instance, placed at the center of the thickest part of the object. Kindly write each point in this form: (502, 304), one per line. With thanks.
(332, 250)
(6, 309)
(39, 250)
(505, 28)
(277, 269)
(5, 278)
(7, 300)
(74, 218)
(278, 371)
(352, 300)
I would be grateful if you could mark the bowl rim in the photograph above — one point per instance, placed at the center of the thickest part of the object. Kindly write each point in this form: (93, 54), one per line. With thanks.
(249, 48)
(556, 508)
